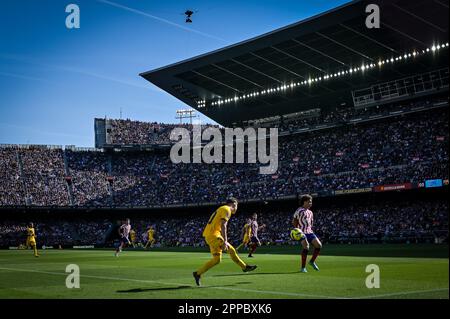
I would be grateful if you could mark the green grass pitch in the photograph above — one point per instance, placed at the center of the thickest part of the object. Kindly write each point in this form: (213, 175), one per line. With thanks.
(168, 274)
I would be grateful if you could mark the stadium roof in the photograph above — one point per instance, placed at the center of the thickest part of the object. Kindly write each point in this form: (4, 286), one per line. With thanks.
(299, 67)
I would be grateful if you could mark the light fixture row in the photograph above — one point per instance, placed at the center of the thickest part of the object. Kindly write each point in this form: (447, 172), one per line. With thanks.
(309, 81)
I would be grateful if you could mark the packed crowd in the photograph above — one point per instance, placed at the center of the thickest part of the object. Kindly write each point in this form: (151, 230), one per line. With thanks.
(53, 233)
(44, 172)
(384, 221)
(89, 178)
(32, 175)
(340, 115)
(131, 132)
(137, 132)
(11, 188)
(411, 148)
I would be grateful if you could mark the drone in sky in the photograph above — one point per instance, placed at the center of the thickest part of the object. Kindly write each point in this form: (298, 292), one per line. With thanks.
(188, 15)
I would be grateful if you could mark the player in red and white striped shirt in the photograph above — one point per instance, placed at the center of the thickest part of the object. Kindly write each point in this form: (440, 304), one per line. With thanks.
(303, 219)
(254, 239)
(124, 232)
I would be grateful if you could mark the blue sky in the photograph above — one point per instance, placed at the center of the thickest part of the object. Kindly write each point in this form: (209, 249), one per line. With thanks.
(54, 81)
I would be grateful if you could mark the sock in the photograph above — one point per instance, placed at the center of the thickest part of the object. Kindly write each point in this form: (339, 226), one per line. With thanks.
(315, 254)
(304, 255)
(35, 250)
(211, 263)
(235, 257)
(253, 248)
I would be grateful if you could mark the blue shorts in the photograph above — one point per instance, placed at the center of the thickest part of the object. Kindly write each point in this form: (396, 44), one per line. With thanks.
(310, 237)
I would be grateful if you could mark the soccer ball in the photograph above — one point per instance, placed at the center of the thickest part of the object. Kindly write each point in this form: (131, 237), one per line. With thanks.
(297, 234)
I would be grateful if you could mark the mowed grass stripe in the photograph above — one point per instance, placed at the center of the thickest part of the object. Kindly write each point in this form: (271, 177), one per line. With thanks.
(276, 277)
(173, 283)
(222, 288)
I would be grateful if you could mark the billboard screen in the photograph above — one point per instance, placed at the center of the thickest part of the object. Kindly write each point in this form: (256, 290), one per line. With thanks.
(433, 183)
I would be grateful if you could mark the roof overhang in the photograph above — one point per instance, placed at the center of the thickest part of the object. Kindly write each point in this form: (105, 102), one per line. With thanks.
(328, 43)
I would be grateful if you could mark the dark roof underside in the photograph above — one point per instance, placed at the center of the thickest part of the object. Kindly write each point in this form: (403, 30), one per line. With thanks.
(335, 40)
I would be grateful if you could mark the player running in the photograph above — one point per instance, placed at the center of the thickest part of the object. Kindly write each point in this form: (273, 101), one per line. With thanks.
(133, 238)
(215, 234)
(303, 219)
(31, 239)
(246, 234)
(254, 240)
(150, 237)
(124, 232)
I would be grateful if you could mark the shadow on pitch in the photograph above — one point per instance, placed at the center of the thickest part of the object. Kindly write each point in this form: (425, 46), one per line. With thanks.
(154, 289)
(257, 273)
(137, 290)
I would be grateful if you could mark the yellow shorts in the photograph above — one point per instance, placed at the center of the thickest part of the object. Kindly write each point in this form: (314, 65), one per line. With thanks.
(215, 244)
(246, 240)
(31, 242)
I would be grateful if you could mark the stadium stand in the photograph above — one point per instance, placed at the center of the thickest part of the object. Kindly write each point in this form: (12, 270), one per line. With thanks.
(128, 132)
(408, 148)
(377, 222)
(43, 173)
(88, 175)
(358, 111)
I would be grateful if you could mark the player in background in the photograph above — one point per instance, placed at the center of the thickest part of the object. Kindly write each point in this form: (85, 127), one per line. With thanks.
(31, 239)
(303, 219)
(150, 237)
(246, 234)
(215, 234)
(133, 237)
(254, 240)
(124, 232)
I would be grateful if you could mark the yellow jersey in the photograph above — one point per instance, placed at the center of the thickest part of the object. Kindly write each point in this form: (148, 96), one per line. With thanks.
(31, 233)
(214, 226)
(132, 235)
(247, 231)
(150, 233)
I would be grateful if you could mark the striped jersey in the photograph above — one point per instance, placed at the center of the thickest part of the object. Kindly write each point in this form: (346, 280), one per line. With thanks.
(304, 219)
(125, 230)
(254, 227)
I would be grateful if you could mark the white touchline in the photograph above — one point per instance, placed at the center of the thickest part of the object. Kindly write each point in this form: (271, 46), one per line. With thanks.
(402, 293)
(178, 284)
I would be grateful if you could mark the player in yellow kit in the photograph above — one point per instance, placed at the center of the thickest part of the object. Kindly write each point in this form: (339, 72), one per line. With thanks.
(133, 237)
(215, 234)
(31, 239)
(246, 234)
(150, 237)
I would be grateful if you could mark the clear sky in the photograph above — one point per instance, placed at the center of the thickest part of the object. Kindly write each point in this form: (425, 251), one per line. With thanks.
(54, 81)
